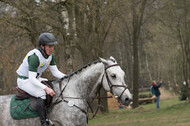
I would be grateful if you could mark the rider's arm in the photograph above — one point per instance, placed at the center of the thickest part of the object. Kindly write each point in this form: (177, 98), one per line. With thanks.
(33, 63)
(54, 70)
(32, 78)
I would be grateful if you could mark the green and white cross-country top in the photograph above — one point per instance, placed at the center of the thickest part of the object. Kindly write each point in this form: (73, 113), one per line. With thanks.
(35, 61)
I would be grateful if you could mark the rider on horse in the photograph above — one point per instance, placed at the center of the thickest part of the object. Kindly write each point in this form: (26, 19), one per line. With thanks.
(30, 71)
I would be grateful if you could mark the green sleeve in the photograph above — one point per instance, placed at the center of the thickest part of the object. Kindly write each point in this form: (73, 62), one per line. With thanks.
(33, 62)
(53, 60)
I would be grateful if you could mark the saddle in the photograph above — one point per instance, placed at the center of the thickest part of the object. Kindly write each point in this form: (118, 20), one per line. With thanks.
(21, 95)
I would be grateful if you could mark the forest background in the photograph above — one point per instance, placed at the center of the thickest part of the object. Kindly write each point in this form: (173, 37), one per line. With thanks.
(150, 39)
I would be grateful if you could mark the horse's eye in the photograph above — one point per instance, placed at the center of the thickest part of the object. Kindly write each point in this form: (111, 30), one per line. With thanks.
(113, 76)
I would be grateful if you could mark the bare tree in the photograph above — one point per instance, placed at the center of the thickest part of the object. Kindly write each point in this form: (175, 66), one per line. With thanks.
(94, 20)
(178, 24)
(24, 15)
(138, 10)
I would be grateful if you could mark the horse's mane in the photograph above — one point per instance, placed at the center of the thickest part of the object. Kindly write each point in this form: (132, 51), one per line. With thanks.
(80, 69)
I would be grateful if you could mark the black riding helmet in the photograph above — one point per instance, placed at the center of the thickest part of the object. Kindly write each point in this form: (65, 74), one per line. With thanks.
(47, 39)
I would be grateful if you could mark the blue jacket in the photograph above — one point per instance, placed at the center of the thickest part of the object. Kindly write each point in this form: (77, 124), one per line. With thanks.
(156, 89)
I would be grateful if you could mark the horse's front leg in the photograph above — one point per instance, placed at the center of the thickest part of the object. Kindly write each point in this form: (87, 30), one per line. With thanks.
(63, 115)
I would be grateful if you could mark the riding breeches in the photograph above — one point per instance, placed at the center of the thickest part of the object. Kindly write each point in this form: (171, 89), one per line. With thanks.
(31, 88)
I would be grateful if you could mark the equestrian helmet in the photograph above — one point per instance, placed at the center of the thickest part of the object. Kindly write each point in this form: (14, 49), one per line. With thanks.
(47, 39)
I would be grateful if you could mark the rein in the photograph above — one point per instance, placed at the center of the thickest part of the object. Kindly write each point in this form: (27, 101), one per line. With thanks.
(89, 104)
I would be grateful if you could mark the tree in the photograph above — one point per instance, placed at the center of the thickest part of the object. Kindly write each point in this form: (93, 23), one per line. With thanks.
(137, 21)
(93, 22)
(179, 16)
(24, 15)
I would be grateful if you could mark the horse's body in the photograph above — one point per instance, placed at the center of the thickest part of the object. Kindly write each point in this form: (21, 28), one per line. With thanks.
(83, 84)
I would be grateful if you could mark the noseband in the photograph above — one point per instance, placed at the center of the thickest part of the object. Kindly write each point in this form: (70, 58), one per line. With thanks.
(113, 85)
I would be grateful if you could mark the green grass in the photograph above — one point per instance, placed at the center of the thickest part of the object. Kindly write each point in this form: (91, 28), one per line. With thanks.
(172, 113)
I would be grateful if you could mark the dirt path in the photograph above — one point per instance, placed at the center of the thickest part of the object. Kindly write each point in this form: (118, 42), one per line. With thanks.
(166, 94)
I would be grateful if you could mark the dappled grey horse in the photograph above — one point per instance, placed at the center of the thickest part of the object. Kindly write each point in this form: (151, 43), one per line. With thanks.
(81, 87)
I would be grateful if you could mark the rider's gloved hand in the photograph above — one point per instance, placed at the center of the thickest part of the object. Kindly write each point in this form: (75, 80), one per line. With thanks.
(49, 91)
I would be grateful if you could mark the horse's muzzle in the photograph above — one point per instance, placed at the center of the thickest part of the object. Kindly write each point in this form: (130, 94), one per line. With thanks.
(127, 101)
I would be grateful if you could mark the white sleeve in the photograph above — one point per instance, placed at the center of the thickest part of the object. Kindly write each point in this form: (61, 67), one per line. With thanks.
(55, 72)
(32, 78)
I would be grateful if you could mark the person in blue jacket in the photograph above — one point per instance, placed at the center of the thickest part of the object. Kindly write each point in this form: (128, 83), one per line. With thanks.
(157, 92)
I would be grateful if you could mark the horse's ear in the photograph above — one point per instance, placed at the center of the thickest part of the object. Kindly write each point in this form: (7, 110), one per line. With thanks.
(104, 61)
(112, 59)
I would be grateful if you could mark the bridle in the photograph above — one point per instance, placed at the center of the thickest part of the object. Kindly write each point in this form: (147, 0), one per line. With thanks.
(111, 86)
(99, 97)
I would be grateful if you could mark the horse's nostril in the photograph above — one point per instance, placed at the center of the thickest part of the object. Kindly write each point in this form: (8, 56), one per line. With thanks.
(126, 99)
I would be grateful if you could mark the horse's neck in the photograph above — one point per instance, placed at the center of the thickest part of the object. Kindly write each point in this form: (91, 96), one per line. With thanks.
(85, 83)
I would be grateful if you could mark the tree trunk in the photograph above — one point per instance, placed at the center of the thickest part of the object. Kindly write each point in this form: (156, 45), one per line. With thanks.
(70, 42)
(147, 65)
(137, 24)
(135, 75)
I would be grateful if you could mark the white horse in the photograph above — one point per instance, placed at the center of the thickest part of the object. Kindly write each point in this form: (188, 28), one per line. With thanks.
(70, 108)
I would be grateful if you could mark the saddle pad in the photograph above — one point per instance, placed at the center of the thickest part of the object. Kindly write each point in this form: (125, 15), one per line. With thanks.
(20, 109)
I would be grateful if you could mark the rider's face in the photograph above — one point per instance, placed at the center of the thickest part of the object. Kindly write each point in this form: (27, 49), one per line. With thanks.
(49, 49)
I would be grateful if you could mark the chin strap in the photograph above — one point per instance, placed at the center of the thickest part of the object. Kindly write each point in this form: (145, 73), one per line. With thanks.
(44, 51)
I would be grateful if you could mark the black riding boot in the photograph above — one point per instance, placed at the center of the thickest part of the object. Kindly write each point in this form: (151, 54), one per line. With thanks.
(41, 111)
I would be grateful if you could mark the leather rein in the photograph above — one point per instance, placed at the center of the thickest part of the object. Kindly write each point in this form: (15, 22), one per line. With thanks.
(98, 97)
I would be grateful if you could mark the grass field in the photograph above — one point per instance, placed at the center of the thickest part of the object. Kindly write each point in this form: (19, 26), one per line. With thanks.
(172, 112)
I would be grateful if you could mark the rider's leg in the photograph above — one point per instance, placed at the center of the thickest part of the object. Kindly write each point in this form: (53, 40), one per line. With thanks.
(42, 111)
(31, 88)
(35, 91)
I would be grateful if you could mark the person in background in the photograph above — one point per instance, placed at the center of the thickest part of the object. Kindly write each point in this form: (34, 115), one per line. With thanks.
(34, 64)
(157, 92)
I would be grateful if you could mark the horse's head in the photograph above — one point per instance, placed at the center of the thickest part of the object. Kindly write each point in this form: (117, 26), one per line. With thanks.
(113, 81)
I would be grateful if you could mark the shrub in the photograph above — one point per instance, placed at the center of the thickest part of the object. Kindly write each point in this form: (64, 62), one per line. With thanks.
(183, 92)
